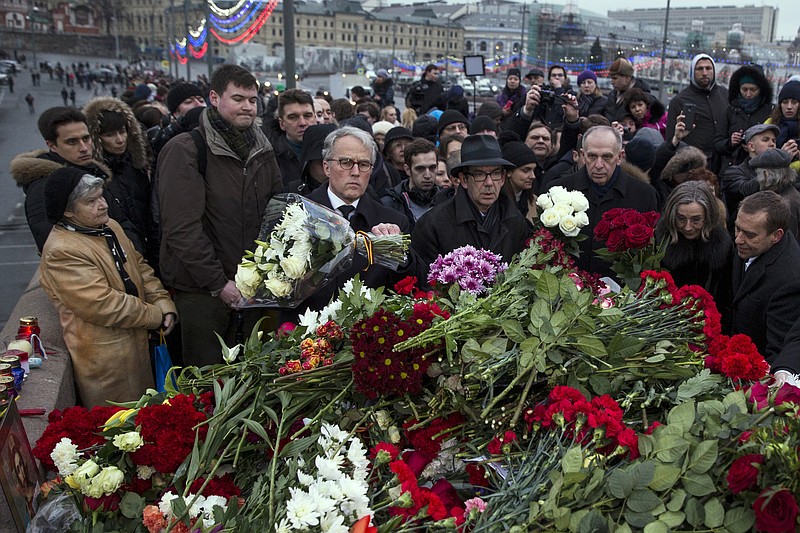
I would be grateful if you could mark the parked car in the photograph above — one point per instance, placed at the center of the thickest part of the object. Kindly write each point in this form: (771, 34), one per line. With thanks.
(469, 87)
(9, 66)
(486, 88)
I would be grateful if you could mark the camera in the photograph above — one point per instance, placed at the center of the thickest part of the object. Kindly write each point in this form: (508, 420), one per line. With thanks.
(547, 96)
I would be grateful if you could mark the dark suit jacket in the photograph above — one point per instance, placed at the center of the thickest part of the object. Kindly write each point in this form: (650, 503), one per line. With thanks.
(627, 192)
(766, 298)
(368, 214)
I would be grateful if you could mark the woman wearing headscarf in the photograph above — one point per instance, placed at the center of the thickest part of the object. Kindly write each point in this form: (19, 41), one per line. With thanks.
(750, 103)
(106, 295)
(119, 141)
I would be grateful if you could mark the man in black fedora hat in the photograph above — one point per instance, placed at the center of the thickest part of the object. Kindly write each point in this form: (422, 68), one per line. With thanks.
(480, 213)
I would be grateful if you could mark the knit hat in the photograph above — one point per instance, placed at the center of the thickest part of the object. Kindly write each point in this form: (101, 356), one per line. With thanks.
(382, 127)
(435, 113)
(490, 109)
(456, 91)
(398, 132)
(790, 90)
(513, 72)
(752, 131)
(141, 92)
(482, 123)
(383, 73)
(111, 121)
(586, 75)
(181, 92)
(451, 116)
(622, 67)
(640, 153)
(518, 153)
(535, 72)
(650, 135)
(57, 189)
(425, 127)
(771, 158)
(357, 121)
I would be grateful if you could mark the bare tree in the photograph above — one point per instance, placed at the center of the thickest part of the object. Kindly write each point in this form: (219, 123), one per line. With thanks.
(108, 10)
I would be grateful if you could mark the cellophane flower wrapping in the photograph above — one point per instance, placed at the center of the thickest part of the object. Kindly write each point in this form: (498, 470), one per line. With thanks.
(302, 245)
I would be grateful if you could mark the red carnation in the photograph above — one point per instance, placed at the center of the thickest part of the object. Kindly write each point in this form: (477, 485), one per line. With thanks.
(628, 438)
(218, 486)
(477, 475)
(405, 285)
(384, 447)
(776, 511)
(743, 474)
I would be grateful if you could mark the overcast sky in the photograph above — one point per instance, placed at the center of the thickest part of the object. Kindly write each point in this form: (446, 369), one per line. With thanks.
(788, 19)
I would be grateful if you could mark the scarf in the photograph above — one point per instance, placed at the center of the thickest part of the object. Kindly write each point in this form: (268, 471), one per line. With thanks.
(117, 253)
(601, 190)
(238, 141)
(788, 127)
(421, 198)
(749, 105)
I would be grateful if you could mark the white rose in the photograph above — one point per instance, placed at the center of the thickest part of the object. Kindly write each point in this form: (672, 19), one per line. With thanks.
(105, 483)
(582, 219)
(278, 287)
(247, 279)
(294, 267)
(563, 210)
(578, 201)
(569, 226)
(128, 442)
(84, 473)
(550, 218)
(544, 201)
(560, 195)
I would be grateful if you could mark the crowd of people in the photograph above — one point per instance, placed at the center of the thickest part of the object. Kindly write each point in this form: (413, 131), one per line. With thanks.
(164, 187)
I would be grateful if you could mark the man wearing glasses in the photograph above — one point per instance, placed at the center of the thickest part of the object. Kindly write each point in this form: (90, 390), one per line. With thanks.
(479, 213)
(348, 156)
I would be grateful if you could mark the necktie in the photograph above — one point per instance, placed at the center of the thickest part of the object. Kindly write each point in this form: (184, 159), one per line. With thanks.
(346, 210)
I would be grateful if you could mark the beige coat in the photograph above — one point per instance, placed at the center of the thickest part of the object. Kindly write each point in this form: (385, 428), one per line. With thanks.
(104, 328)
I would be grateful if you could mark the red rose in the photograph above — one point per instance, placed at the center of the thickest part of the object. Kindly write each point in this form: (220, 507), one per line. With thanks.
(638, 236)
(776, 511)
(106, 503)
(743, 475)
(758, 394)
(602, 229)
(445, 491)
(616, 241)
(651, 218)
(787, 394)
(417, 461)
(611, 214)
(633, 218)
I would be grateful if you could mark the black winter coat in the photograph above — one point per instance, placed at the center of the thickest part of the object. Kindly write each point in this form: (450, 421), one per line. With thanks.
(738, 182)
(615, 111)
(711, 107)
(627, 192)
(737, 119)
(591, 104)
(288, 162)
(453, 224)
(384, 89)
(765, 298)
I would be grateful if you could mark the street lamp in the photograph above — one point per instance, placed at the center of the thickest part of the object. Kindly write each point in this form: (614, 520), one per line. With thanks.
(32, 19)
(355, 48)
(663, 57)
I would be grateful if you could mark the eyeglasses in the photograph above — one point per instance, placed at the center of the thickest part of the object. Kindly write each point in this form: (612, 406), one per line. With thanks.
(479, 176)
(347, 163)
(694, 221)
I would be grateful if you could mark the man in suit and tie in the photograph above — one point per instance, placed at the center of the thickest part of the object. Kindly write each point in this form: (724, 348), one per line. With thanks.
(766, 286)
(348, 157)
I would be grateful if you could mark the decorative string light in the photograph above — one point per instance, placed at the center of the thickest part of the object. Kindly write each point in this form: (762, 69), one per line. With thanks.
(227, 12)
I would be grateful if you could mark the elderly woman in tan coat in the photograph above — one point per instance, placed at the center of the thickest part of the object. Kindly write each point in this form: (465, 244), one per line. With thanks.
(106, 295)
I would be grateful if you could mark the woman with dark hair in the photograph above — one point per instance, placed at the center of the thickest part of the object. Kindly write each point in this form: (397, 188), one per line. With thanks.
(699, 248)
(646, 110)
(785, 116)
(105, 294)
(750, 103)
(590, 99)
(512, 96)
(118, 141)
(519, 181)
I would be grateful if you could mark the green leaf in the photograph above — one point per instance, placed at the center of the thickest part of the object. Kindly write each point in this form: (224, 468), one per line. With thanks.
(638, 520)
(672, 518)
(547, 286)
(698, 484)
(619, 484)
(735, 398)
(641, 501)
(131, 505)
(256, 428)
(540, 312)
(715, 513)
(698, 385)
(600, 384)
(591, 346)
(676, 502)
(646, 445)
(703, 457)
(695, 513)
(573, 460)
(623, 347)
(739, 520)
(513, 330)
(682, 415)
(656, 527)
(623, 528)
(670, 448)
(642, 474)
(652, 360)
(593, 522)
(665, 477)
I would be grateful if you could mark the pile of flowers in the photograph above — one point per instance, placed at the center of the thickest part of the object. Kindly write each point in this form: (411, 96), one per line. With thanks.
(472, 269)
(315, 352)
(563, 209)
(736, 357)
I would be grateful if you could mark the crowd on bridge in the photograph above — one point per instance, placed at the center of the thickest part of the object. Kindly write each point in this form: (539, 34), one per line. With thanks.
(143, 203)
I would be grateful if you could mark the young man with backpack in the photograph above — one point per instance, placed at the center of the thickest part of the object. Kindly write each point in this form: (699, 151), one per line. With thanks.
(424, 91)
(208, 219)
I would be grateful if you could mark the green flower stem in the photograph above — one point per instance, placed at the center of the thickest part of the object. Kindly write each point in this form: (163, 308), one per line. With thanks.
(518, 410)
(519, 377)
(273, 468)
